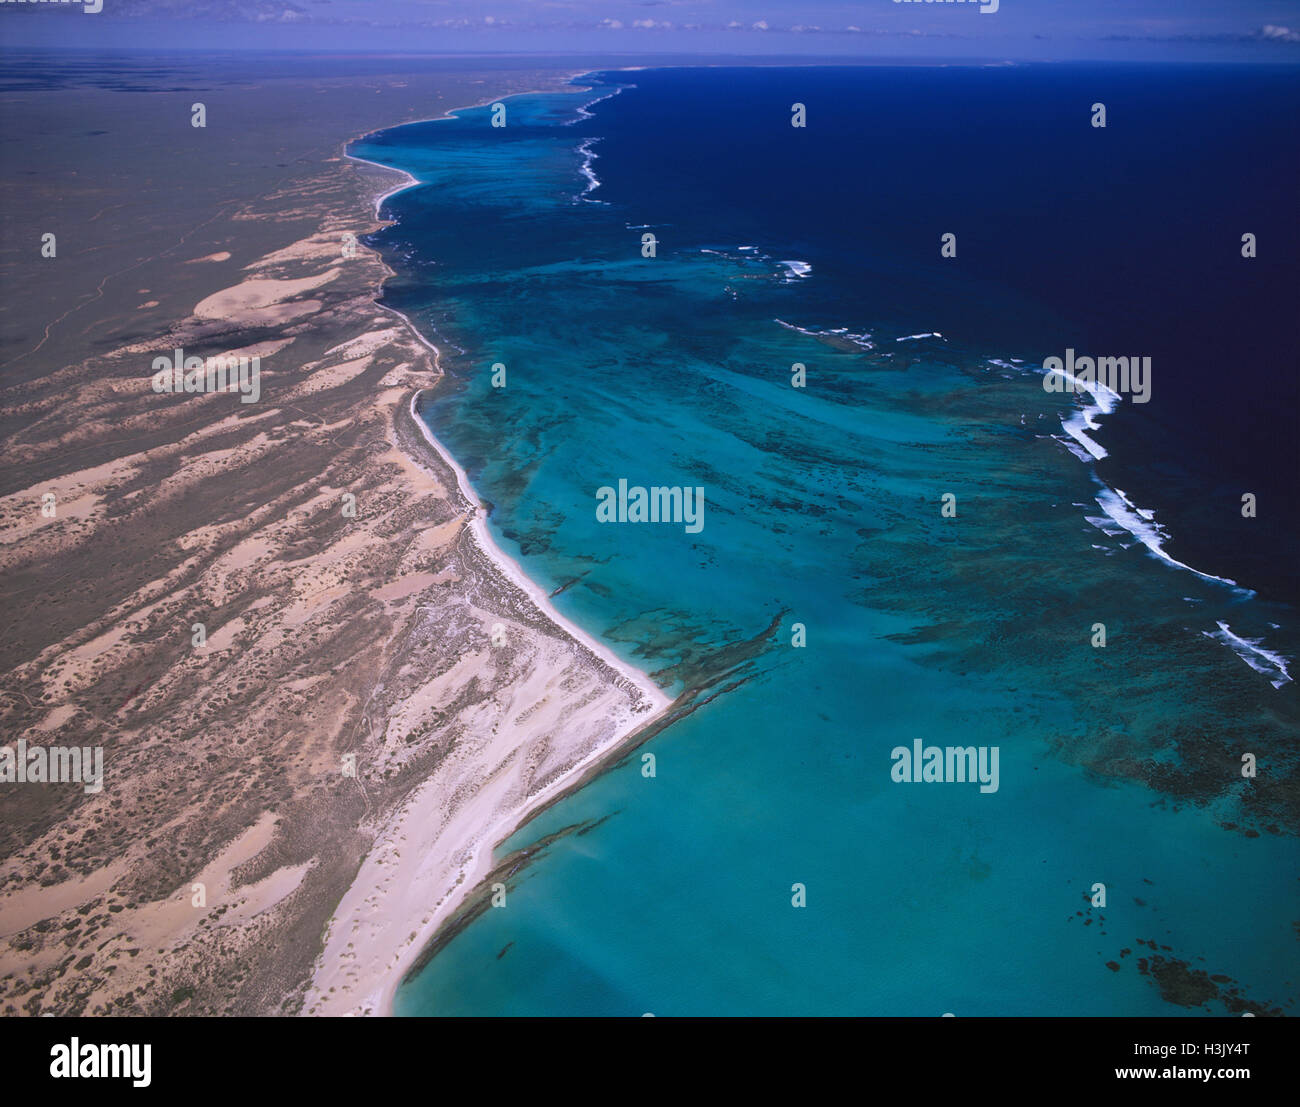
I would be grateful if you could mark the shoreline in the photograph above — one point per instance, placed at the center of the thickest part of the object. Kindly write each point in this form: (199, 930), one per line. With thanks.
(382, 697)
(514, 572)
(653, 703)
(377, 728)
(410, 180)
(509, 567)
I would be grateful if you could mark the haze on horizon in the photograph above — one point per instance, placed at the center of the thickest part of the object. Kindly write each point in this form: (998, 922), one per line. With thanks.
(1046, 30)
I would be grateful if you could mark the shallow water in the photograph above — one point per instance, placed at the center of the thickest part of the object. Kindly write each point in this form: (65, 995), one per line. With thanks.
(1118, 765)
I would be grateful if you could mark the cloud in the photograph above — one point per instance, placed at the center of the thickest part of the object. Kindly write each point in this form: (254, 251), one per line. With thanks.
(560, 16)
(1268, 33)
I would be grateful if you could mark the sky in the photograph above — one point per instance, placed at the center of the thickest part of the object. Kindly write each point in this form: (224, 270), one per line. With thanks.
(1173, 30)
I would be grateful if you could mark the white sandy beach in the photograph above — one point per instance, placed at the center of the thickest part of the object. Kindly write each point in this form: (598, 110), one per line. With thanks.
(534, 742)
(431, 854)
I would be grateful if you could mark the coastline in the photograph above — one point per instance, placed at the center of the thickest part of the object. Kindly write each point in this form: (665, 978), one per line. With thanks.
(478, 525)
(336, 756)
(471, 851)
(516, 575)
(484, 848)
(410, 181)
(382, 695)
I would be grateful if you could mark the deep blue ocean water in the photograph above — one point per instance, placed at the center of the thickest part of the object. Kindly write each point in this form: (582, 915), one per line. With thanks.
(775, 245)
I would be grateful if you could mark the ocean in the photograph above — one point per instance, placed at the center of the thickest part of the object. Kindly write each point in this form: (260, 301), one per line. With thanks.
(903, 537)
